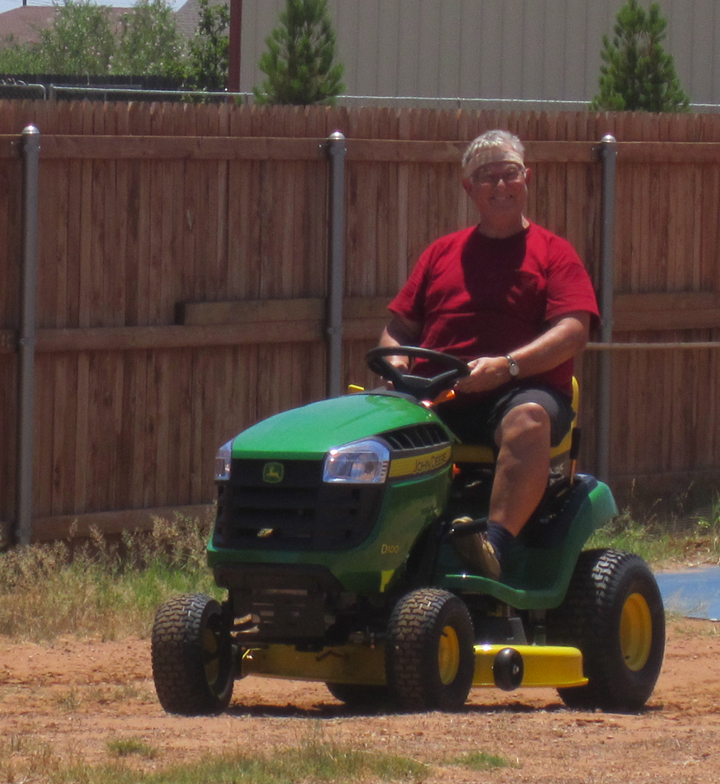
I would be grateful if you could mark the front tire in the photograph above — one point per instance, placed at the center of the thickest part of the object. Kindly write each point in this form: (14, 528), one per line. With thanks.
(429, 651)
(614, 614)
(192, 658)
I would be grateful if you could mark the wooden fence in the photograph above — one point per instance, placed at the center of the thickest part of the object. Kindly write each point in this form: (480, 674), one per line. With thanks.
(182, 282)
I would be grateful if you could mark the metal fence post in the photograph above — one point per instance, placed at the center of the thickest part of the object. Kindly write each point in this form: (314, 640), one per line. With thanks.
(336, 267)
(26, 338)
(608, 156)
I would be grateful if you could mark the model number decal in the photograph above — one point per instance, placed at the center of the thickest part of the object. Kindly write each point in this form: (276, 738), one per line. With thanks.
(389, 549)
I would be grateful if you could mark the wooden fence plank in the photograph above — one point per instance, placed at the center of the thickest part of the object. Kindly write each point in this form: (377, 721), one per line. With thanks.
(135, 378)
(63, 441)
(199, 313)
(233, 324)
(358, 149)
(156, 148)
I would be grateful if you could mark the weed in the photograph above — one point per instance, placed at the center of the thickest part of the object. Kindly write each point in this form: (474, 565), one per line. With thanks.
(125, 747)
(309, 762)
(658, 542)
(481, 760)
(23, 758)
(68, 701)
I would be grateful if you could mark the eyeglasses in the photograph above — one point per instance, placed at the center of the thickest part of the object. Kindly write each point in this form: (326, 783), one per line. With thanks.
(510, 175)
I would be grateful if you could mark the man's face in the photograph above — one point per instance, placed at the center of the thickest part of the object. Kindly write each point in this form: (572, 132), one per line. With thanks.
(498, 189)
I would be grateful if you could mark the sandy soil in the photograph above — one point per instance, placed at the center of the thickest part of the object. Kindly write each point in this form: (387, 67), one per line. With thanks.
(75, 696)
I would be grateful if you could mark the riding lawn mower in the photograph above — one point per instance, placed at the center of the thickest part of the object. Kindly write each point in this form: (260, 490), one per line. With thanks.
(333, 543)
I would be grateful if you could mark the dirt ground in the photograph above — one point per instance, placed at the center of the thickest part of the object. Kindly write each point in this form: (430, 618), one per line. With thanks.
(75, 697)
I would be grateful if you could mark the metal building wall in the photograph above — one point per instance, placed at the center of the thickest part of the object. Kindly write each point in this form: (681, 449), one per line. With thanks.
(509, 49)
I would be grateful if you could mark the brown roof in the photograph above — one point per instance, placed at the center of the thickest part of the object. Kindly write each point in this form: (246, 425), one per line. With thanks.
(24, 24)
(188, 16)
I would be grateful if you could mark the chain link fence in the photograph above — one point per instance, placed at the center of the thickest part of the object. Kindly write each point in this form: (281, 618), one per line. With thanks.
(18, 89)
(125, 88)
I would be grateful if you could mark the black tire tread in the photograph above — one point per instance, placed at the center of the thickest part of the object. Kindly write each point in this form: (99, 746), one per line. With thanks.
(177, 657)
(411, 651)
(589, 620)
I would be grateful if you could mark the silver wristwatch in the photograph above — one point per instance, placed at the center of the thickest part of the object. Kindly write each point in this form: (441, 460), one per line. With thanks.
(513, 368)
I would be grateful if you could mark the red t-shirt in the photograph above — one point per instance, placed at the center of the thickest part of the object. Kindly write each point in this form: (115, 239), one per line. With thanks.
(476, 296)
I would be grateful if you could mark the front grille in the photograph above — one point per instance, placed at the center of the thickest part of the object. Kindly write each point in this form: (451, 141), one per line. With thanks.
(300, 512)
(416, 436)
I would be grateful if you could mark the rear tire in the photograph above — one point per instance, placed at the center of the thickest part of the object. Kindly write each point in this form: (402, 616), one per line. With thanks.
(429, 651)
(192, 658)
(613, 613)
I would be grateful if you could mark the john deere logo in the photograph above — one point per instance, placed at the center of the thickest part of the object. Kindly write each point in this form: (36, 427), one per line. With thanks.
(273, 473)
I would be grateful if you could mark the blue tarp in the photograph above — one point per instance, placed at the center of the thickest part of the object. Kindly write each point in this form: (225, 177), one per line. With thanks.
(694, 593)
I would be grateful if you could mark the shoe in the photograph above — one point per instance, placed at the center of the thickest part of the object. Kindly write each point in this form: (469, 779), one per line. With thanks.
(469, 540)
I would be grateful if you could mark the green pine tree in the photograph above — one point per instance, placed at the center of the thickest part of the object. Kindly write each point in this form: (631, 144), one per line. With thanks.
(637, 74)
(299, 61)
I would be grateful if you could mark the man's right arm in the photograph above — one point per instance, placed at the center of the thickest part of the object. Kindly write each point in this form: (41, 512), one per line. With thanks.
(400, 331)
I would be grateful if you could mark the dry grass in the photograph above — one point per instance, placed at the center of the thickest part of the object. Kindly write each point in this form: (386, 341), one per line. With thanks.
(104, 588)
(111, 589)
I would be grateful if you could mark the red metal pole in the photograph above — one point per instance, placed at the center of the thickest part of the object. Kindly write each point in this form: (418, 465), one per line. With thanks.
(233, 81)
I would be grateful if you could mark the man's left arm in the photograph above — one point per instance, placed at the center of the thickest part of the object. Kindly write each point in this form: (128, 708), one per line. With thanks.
(566, 337)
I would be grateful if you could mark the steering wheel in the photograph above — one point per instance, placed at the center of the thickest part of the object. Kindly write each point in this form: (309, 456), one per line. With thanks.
(417, 386)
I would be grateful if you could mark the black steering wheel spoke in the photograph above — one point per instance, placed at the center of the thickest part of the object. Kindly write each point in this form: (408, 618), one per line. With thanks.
(418, 386)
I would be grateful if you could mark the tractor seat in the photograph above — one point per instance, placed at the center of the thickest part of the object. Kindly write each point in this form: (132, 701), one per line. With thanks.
(481, 453)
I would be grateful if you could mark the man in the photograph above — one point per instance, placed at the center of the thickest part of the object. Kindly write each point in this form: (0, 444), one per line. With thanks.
(515, 302)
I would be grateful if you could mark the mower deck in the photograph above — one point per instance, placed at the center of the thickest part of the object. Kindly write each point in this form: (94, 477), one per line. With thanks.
(544, 665)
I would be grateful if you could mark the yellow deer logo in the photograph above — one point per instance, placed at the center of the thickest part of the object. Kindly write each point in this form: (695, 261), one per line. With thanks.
(273, 473)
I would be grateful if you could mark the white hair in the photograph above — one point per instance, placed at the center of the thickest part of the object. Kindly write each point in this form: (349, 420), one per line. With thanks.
(492, 142)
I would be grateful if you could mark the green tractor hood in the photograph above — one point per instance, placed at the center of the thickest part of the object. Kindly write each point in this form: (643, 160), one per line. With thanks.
(386, 519)
(310, 431)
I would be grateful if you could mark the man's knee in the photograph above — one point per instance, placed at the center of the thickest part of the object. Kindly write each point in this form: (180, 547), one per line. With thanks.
(527, 423)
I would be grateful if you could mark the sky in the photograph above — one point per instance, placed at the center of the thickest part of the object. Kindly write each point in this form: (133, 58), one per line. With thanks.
(8, 5)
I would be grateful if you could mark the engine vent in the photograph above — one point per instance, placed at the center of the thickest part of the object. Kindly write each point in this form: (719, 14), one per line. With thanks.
(417, 436)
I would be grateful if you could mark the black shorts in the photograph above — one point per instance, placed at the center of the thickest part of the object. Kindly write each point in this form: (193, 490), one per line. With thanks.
(476, 422)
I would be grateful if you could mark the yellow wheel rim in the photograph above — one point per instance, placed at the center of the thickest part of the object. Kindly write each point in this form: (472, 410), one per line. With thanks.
(449, 655)
(211, 651)
(635, 632)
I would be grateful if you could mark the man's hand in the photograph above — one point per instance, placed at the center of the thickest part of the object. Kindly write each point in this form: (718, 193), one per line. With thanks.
(486, 374)
(565, 338)
(399, 332)
(400, 362)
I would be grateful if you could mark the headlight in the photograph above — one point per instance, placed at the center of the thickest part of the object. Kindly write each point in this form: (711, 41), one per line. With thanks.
(222, 462)
(359, 463)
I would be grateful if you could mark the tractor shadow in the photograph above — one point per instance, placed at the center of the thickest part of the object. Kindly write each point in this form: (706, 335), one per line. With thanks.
(331, 710)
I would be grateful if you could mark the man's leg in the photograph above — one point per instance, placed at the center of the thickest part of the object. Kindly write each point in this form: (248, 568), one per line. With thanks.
(535, 419)
(523, 466)
(521, 475)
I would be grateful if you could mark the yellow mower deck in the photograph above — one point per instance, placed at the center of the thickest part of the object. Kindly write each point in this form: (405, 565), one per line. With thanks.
(544, 665)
